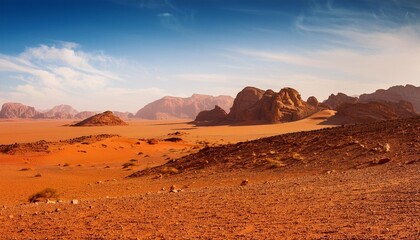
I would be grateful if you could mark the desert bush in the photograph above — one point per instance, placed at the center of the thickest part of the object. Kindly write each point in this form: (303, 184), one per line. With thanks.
(38, 175)
(45, 194)
(129, 164)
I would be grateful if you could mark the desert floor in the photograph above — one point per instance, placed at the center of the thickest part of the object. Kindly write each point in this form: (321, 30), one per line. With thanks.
(330, 203)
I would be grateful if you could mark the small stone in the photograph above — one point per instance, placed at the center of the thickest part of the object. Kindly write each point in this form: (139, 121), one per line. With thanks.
(74, 201)
(11, 216)
(386, 147)
(48, 201)
(244, 182)
(173, 189)
(57, 210)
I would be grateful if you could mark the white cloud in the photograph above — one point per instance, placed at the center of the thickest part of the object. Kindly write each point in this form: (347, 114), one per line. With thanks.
(356, 53)
(47, 75)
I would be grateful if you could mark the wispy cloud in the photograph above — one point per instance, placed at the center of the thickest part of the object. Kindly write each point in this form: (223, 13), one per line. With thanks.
(63, 73)
(355, 48)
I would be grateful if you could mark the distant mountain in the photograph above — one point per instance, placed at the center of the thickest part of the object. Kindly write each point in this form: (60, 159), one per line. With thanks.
(123, 115)
(59, 112)
(85, 114)
(334, 101)
(102, 119)
(176, 107)
(17, 110)
(407, 93)
(256, 105)
(352, 113)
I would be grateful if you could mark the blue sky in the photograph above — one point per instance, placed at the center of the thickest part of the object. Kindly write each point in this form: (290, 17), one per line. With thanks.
(120, 55)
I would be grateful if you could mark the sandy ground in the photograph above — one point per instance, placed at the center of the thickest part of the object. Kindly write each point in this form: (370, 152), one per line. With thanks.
(55, 130)
(310, 201)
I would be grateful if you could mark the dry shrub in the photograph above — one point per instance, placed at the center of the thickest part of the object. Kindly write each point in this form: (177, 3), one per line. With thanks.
(129, 164)
(45, 194)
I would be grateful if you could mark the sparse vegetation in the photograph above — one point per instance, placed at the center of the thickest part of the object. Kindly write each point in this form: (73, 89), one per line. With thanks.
(66, 165)
(38, 175)
(130, 163)
(45, 194)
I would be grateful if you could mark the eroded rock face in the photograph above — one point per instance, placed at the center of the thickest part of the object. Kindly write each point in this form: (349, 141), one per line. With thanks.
(17, 110)
(334, 101)
(407, 93)
(355, 113)
(252, 104)
(212, 116)
(243, 104)
(103, 119)
(59, 112)
(175, 107)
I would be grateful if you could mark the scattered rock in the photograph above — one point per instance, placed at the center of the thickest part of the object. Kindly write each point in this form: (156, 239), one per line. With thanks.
(244, 182)
(383, 161)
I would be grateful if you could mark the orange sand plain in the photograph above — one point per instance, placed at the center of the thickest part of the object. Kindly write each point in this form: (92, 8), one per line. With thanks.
(90, 166)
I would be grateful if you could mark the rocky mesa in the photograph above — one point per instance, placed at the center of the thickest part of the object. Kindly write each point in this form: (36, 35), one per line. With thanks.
(360, 113)
(176, 107)
(17, 110)
(256, 105)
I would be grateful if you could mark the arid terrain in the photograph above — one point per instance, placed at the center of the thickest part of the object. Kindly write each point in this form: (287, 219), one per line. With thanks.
(174, 180)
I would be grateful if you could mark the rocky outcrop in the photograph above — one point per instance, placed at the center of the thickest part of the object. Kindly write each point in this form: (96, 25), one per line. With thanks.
(334, 101)
(175, 107)
(103, 119)
(407, 93)
(356, 113)
(213, 116)
(255, 105)
(59, 112)
(17, 110)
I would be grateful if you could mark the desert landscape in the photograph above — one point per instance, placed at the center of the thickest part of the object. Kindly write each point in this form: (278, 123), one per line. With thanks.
(170, 119)
(308, 176)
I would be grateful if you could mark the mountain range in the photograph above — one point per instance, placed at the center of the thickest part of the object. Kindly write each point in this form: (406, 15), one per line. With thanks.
(251, 104)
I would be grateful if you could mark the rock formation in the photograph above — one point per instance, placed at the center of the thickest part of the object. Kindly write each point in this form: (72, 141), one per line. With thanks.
(17, 110)
(175, 107)
(211, 116)
(59, 112)
(255, 105)
(355, 113)
(103, 119)
(407, 93)
(334, 101)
